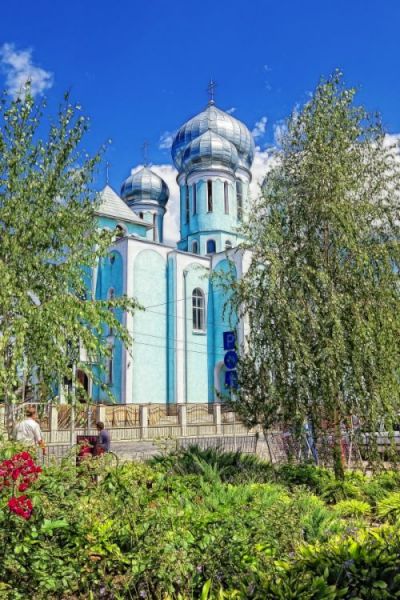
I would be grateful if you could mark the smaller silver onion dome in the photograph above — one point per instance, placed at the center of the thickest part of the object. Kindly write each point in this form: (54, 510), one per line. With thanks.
(208, 150)
(145, 186)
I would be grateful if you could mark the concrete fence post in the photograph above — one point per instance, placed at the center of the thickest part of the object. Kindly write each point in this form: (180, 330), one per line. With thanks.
(53, 422)
(217, 415)
(182, 418)
(101, 413)
(144, 421)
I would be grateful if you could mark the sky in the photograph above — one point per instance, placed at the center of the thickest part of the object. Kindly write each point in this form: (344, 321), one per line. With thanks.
(141, 69)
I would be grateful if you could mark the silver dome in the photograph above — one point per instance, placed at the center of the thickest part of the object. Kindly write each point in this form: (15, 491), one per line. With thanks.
(144, 186)
(209, 149)
(220, 122)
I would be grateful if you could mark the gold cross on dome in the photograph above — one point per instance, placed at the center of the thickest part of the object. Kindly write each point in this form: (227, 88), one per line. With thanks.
(211, 91)
(145, 151)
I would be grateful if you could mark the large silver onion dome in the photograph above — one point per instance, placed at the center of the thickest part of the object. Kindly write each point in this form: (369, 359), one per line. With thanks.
(210, 149)
(145, 186)
(220, 122)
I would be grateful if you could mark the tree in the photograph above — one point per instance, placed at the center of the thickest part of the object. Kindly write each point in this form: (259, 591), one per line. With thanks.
(49, 243)
(322, 296)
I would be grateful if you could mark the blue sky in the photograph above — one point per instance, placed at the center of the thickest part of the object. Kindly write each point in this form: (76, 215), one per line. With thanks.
(140, 69)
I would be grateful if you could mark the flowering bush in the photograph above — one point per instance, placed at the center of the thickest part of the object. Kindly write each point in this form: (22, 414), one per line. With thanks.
(19, 473)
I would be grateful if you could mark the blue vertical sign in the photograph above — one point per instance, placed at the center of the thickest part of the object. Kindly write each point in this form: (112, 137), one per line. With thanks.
(230, 359)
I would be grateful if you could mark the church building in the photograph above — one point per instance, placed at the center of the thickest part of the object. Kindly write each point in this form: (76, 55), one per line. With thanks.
(178, 349)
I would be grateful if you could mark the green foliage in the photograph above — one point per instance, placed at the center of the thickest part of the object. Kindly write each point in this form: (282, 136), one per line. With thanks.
(161, 531)
(321, 294)
(389, 507)
(49, 242)
(232, 467)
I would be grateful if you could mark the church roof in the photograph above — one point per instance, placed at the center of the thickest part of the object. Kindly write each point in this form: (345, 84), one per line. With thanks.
(111, 205)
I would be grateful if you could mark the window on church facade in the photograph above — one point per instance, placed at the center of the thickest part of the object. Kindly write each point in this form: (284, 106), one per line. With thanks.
(226, 198)
(211, 247)
(187, 204)
(195, 247)
(110, 366)
(155, 227)
(228, 245)
(239, 200)
(209, 196)
(111, 296)
(198, 310)
(194, 199)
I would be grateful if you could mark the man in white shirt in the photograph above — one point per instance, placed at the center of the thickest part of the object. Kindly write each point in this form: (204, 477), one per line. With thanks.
(28, 430)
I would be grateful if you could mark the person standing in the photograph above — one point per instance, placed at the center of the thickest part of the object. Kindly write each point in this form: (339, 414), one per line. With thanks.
(28, 430)
(103, 439)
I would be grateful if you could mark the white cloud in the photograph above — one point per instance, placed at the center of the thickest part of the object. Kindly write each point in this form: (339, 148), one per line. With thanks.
(264, 161)
(166, 140)
(280, 129)
(259, 128)
(19, 69)
(230, 111)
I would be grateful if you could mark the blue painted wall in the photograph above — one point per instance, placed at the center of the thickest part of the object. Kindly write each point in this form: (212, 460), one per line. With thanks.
(222, 320)
(110, 275)
(196, 345)
(132, 228)
(150, 329)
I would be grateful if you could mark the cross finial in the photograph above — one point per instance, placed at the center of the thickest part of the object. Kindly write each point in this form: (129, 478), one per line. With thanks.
(211, 91)
(108, 165)
(145, 151)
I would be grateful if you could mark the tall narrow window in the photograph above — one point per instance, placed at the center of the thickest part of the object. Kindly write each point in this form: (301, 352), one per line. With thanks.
(194, 199)
(195, 247)
(187, 205)
(239, 200)
(110, 365)
(211, 247)
(209, 196)
(226, 198)
(111, 296)
(198, 310)
(155, 232)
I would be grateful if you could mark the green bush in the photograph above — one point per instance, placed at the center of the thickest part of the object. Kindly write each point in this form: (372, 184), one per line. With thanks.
(198, 524)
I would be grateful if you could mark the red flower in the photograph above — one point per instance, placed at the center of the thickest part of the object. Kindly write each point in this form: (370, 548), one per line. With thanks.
(21, 506)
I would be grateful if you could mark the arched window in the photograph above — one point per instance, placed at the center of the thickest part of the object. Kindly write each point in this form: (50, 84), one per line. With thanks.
(187, 205)
(226, 198)
(195, 247)
(228, 245)
(155, 230)
(198, 310)
(110, 296)
(194, 199)
(110, 365)
(120, 231)
(141, 215)
(239, 200)
(211, 247)
(209, 196)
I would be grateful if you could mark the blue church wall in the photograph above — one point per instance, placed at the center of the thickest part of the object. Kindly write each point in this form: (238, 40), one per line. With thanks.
(131, 228)
(111, 276)
(150, 329)
(196, 341)
(171, 331)
(223, 320)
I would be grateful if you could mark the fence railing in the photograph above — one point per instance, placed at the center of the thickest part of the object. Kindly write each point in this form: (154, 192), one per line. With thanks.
(61, 423)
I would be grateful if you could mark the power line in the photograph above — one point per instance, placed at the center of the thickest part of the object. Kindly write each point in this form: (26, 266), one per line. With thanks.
(178, 341)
